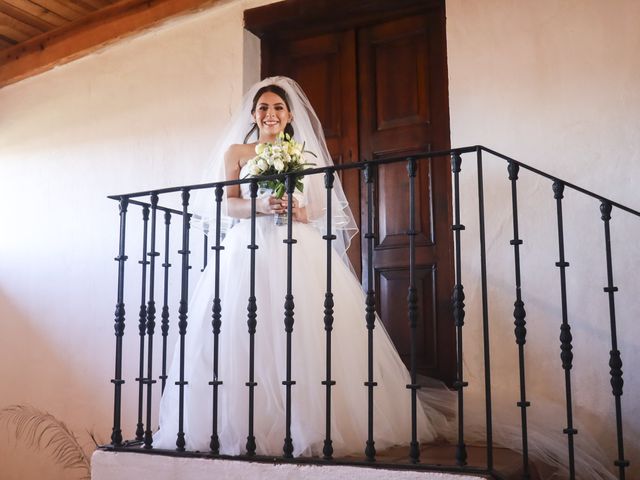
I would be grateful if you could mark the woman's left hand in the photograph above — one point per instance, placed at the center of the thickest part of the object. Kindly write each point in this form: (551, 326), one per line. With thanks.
(299, 213)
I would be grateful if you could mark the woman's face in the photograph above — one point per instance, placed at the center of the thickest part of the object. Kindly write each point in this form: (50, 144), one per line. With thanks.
(271, 116)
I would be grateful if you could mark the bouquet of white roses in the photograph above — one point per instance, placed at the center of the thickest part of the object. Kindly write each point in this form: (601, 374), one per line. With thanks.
(285, 155)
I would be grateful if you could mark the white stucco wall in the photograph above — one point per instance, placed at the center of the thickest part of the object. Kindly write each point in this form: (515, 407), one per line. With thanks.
(141, 113)
(551, 83)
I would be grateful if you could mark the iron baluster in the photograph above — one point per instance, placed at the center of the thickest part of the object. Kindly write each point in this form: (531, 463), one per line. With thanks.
(566, 348)
(216, 323)
(251, 320)
(116, 433)
(485, 314)
(288, 315)
(370, 313)
(458, 308)
(151, 319)
(519, 314)
(412, 304)
(205, 247)
(615, 360)
(142, 320)
(165, 304)
(183, 314)
(327, 449)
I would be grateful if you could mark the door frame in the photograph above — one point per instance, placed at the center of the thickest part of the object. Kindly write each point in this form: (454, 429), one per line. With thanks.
(291, 18)
(294, 19)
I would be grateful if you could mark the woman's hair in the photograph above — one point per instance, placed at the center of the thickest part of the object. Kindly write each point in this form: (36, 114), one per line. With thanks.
(282, 94)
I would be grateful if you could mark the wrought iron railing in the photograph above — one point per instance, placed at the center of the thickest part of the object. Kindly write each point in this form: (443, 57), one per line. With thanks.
(151, 209)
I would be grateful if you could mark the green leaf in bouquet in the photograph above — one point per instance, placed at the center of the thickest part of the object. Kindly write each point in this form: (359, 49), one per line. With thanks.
(279, 190)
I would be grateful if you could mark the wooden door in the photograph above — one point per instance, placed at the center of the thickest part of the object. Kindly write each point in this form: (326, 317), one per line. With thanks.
(379, 86)
(401, 91)
(325, 67)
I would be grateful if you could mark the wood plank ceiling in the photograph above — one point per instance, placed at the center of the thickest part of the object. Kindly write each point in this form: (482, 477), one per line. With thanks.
(36, 35)
(23, 19)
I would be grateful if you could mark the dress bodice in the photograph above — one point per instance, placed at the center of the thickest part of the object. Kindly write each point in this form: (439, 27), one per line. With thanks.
(245, 188)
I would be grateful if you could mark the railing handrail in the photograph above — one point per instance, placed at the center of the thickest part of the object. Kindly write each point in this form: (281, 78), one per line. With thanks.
(564, 182)
(361, 165)
(308, 171)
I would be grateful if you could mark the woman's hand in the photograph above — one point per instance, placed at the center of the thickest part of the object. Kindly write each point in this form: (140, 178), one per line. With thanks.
(271, 204)
(299, 213)
(241, 207)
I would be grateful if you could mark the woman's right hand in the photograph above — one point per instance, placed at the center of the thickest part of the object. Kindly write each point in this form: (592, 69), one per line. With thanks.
(269, 205)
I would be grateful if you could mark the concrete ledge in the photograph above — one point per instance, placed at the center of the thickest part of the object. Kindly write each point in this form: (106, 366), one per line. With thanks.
(124, 465)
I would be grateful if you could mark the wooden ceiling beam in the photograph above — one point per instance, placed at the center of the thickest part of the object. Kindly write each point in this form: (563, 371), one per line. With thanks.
(37, 11)
(88, 34)
(25, 17)
(6, 42)
(20, 26)
(90, 5)
(65, 9)
(12, 33)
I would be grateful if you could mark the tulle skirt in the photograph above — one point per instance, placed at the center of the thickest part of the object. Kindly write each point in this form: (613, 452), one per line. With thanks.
(392, 413)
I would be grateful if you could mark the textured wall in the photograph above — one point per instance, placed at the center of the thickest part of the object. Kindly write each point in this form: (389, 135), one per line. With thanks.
(552, 83)
(142, 113)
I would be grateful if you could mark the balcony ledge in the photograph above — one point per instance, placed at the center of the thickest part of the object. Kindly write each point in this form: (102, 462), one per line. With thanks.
(107, 465)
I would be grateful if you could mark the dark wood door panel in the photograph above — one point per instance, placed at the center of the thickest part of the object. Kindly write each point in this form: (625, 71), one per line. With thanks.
(394, 79)
(325, 67)
(393, 214)
(316, 63)
(392, 283)
(398, 91)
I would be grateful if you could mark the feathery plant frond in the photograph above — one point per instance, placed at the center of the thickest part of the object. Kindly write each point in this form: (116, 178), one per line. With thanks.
(94, 439)
(41, 430)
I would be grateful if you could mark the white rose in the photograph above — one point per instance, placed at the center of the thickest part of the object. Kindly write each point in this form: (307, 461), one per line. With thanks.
(254, 170)
(262, 164)
(279, 165)
(259, 148)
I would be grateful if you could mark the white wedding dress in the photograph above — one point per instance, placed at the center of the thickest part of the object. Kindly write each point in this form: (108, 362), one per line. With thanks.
(392, 413)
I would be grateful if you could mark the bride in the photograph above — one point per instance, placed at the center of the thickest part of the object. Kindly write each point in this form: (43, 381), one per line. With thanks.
(270, 107)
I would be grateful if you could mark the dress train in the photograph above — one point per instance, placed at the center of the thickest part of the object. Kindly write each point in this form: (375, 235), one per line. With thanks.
(392, 413)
